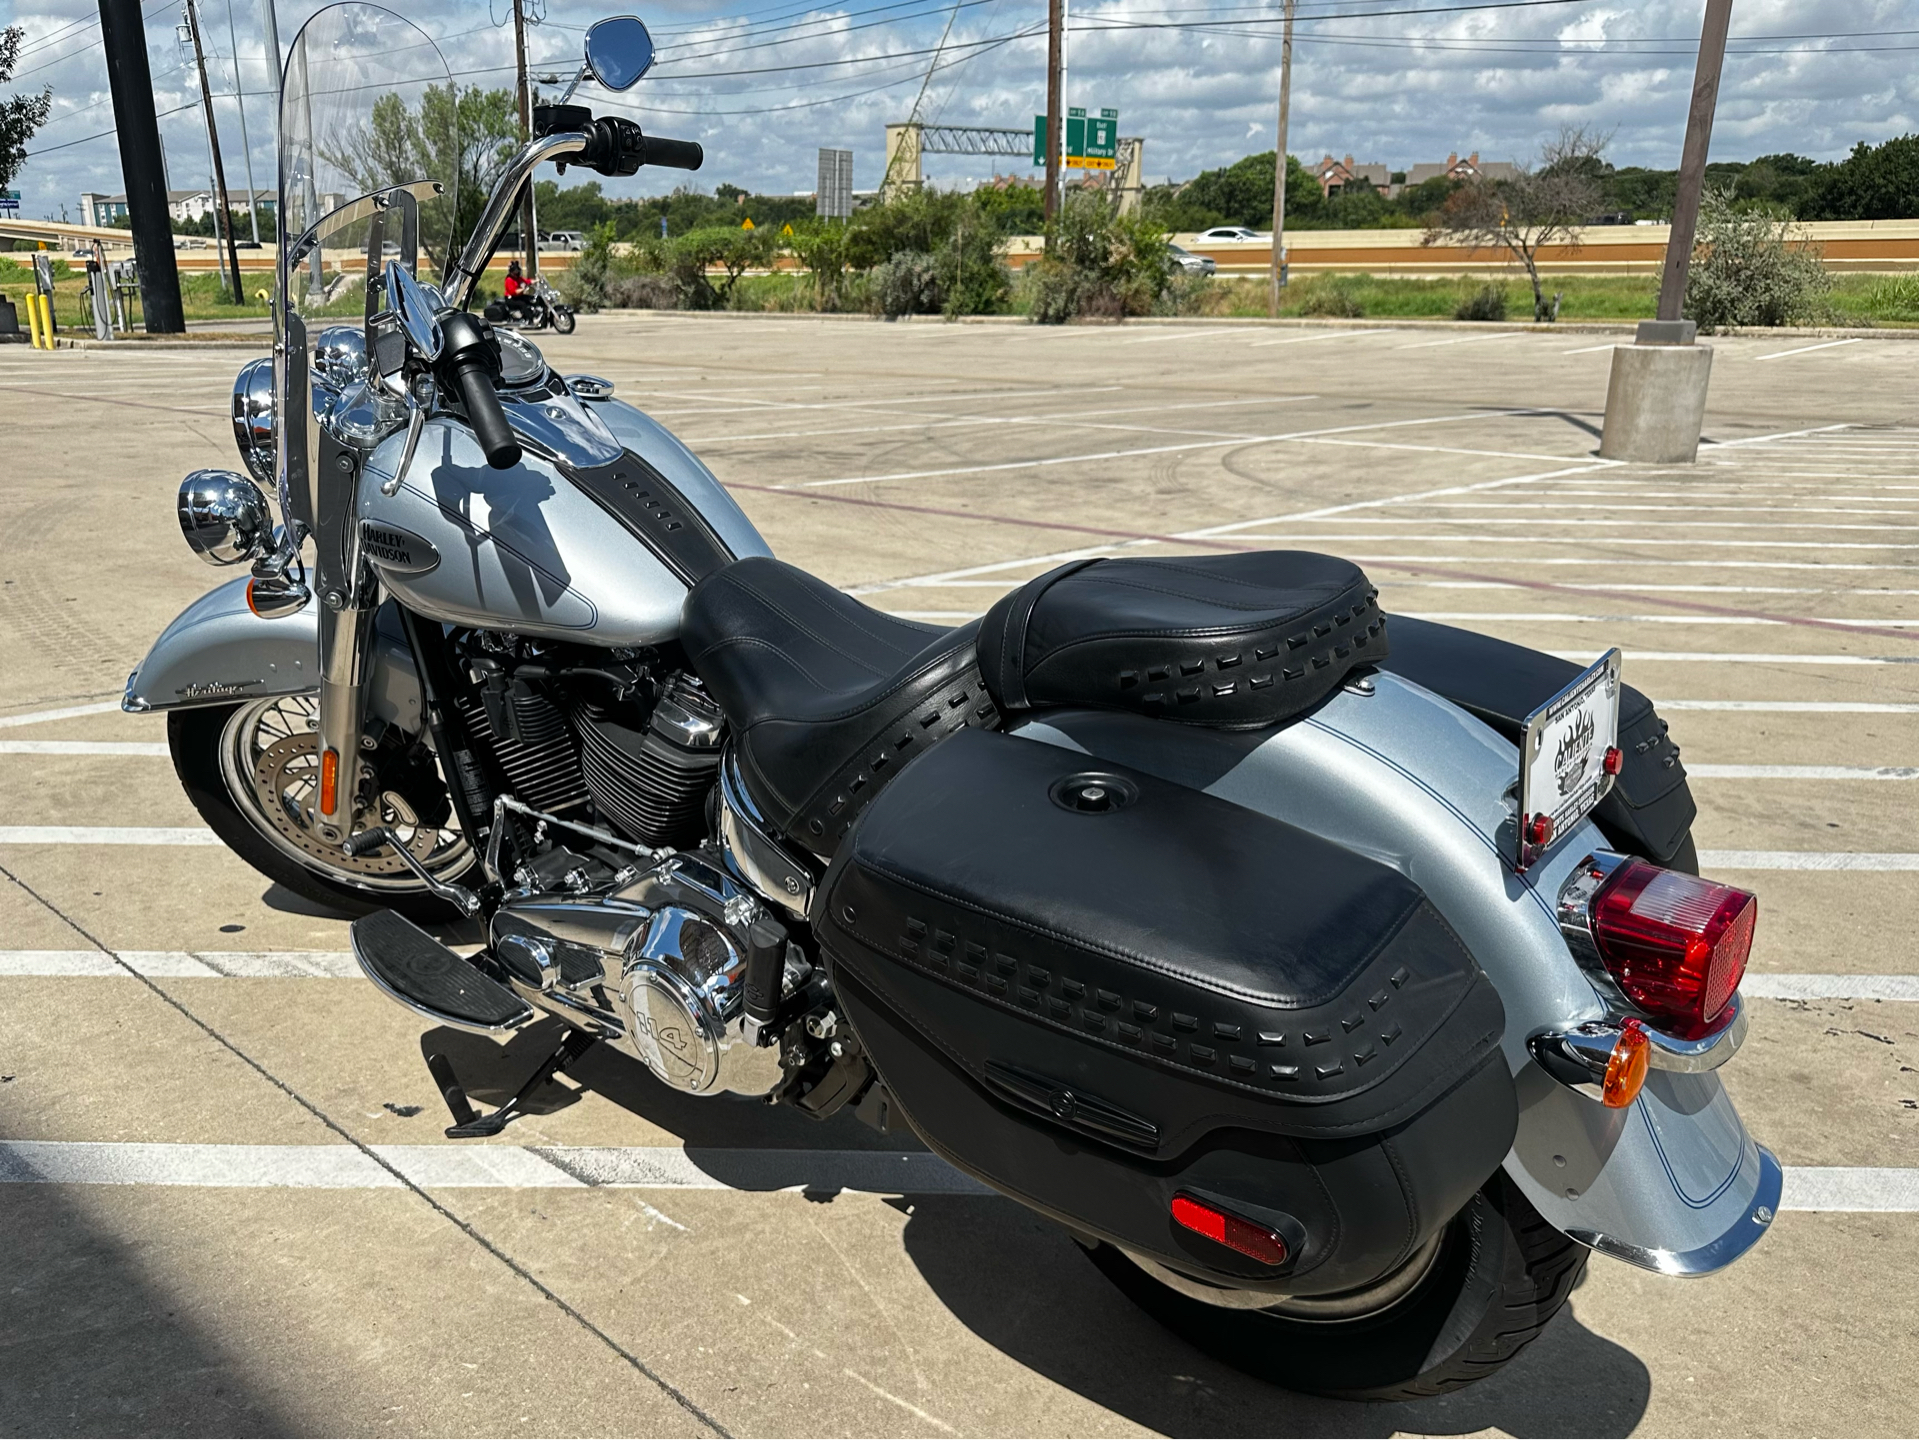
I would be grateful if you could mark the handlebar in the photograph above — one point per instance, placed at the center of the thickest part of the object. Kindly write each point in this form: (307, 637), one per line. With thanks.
(675, 154)
(619, 147)
(470, 361)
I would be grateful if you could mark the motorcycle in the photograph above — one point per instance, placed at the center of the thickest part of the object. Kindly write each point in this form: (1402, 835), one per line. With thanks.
(1339, 984)
(537, 307)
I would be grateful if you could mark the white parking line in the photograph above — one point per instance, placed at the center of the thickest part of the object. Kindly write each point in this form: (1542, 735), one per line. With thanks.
(106, 835)
(1829, 987)
(1794, 707)
(1715, 657)
(69, 712)
(1305, 339)
(1808, 349)
(83, 747)
(183, 964)
(510, 1167)
(1803, 772)
(1561, 617)
(1461, 340)
(516, 1167)
(1593, 349)
(1820, 860)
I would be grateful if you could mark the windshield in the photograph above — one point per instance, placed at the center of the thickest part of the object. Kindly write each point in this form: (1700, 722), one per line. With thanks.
(368, 105)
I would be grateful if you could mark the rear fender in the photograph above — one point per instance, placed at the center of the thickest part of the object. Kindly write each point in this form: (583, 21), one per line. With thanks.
(1673, 1182)
(218, 651)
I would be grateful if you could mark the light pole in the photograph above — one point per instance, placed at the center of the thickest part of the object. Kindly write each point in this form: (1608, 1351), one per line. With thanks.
(1279, 161)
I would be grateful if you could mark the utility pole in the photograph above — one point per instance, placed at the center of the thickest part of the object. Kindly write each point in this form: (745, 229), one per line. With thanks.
(1692, 160)
(223, 213)
(1279, 160)
(246, 145)
(142, 165)
(529, 237)
(1055, 116)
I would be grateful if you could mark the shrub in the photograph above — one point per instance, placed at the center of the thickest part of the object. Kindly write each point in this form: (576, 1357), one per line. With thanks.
(907, 284)
(1103, 265)
(1488, 302)
(584, 285)
(1331, 300)
(688, 259)
(1749, 268)
(641, 292)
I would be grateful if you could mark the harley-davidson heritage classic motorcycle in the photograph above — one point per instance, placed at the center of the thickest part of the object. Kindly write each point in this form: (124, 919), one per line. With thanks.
(1339, 984)
(538, 307)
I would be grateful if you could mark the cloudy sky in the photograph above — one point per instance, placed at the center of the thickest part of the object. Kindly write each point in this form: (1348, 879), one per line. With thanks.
(764, 84)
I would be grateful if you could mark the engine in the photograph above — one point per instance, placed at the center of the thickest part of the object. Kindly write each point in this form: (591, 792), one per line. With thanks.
(661, 966)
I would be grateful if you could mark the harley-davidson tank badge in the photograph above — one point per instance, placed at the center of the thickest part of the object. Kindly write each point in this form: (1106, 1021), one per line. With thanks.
(398, 550)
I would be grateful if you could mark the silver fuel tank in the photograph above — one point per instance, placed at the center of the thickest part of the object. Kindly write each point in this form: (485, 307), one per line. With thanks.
(527, 549)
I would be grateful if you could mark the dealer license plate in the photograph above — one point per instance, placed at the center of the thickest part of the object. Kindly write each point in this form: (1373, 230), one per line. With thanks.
(1562, 761)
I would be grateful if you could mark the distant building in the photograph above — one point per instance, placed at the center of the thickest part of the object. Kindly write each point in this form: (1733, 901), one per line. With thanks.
(108, 210)
(1471, 168)
(1335, 175)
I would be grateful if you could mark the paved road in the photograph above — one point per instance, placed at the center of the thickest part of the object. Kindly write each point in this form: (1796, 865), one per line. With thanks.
(232, 1209)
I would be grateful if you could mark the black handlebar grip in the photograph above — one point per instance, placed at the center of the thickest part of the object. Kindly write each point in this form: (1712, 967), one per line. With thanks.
(674, 154)
(484, 412)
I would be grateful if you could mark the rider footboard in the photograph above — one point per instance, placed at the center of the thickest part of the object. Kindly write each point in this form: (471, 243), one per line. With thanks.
(1174, 1024)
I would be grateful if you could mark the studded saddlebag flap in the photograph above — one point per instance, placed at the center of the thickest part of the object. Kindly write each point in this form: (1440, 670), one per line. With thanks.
(1094, 989)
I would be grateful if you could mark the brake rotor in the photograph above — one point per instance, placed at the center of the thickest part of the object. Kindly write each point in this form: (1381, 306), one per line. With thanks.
(286, 778)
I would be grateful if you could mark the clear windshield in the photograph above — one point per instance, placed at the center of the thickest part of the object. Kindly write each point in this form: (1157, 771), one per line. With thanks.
(368, 106)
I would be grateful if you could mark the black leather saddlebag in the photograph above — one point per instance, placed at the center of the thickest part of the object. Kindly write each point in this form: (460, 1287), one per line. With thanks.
(1096, 991)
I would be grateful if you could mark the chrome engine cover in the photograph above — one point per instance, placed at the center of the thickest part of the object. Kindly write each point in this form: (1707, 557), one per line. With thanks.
(657, 967)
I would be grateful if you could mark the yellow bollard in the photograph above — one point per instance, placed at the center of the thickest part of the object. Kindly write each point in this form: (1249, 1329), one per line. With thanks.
(46, 323)
(31, 301)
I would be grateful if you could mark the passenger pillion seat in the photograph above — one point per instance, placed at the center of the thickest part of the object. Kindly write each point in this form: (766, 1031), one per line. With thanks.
(828, 698)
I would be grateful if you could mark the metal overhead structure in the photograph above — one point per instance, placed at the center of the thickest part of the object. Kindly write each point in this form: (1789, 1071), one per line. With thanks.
(908, 140)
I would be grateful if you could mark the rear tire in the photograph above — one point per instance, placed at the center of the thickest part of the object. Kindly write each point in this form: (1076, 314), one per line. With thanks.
(216, 749)
(1500, 1276)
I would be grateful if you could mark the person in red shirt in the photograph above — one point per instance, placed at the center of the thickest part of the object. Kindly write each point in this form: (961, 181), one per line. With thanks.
(515, 288)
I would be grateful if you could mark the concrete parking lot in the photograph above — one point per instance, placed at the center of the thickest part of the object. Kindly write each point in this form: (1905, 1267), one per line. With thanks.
(226, 1205)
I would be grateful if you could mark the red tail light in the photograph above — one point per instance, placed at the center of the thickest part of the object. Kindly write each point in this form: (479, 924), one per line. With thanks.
(1249, 1238)
(1676, 944)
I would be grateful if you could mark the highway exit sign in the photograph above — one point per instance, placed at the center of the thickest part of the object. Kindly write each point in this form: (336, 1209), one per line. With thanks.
(1092, 142)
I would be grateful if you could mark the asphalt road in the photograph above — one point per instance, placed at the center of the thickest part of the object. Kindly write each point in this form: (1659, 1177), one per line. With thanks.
(225, 1201)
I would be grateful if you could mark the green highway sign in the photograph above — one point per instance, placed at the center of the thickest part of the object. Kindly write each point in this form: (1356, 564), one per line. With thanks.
(1092, 142)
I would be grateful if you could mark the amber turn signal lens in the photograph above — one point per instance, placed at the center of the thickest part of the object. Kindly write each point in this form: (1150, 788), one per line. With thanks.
(329, 782)
(1626, 1068)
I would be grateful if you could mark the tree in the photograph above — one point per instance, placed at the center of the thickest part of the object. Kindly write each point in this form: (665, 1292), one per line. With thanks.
(1875, 182)
(1541, 205)
(688, 259)
(20, 115)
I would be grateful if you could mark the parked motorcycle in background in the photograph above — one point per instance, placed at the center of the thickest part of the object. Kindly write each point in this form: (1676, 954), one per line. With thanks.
(1339, 984)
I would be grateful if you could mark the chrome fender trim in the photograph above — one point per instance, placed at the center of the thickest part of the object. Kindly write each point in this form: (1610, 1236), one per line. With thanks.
(1716, 1254)
(1578, 1057)
(217, 651)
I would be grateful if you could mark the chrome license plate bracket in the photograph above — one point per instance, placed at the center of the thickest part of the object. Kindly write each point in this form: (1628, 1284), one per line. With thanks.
(1564, 764)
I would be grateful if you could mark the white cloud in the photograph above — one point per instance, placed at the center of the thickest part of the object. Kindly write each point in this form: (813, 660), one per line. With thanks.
(1394, 89)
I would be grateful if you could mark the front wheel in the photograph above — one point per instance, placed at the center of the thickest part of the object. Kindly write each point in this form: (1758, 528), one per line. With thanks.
(252, 771)
(1455, 1313)
(563, 321)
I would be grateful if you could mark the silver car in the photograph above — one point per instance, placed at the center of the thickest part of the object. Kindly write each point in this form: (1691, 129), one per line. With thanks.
(1191, 264)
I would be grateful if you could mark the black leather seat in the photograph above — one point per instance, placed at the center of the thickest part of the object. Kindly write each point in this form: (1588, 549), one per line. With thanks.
(827, 697)
(1238, 642)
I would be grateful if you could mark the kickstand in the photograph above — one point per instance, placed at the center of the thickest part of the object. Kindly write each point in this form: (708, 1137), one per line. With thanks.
(469, 1124)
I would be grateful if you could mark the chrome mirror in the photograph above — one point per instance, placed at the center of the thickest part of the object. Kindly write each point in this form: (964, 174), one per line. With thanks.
(224, 517)
(409, 300)
(619, 51)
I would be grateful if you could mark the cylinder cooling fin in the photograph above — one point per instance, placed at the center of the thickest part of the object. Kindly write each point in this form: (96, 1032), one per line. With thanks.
(541, 763)
(653, 782)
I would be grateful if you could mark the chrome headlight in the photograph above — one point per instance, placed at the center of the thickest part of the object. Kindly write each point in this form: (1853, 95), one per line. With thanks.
(253, 418)
(339, 357)
(224, 517)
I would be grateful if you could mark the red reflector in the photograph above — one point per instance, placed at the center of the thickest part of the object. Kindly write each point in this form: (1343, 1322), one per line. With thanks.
(1266, 1246)
(1676, 944)
(1614, 760)
(329, 782)
(1539, 830)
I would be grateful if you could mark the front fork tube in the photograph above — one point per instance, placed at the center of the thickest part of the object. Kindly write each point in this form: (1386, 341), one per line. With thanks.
(346, 638)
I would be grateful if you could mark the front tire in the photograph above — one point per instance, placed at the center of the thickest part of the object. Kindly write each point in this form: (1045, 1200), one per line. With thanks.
(250, 770)
(563, 321)
(1500, 1275)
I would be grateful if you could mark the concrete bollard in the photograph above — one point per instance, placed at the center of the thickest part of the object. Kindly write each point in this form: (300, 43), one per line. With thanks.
(1656, 400)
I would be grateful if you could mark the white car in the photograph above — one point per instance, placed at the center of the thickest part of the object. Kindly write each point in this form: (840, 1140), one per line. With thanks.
(1230, 232)
(564, 240)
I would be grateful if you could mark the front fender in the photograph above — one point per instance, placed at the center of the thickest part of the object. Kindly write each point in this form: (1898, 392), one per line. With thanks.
(218, 651)
(1673, 1182)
